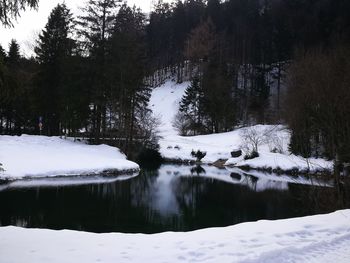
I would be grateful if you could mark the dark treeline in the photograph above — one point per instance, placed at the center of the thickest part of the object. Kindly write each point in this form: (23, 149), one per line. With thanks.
(248, 61)
(86, 78)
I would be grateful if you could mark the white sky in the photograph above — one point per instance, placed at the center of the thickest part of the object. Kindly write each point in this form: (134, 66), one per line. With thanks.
(31, 22)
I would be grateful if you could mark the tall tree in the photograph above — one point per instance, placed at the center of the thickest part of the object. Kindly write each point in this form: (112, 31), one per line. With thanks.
(192, 106)
(3, 87)
(2, 52)
(127, 66)
(13, 92)
(53, 48)
(13, 57)
(96, 26)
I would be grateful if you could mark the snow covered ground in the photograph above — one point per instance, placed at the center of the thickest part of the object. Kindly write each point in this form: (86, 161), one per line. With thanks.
(40, 156)
(165, 103)
(320, 238)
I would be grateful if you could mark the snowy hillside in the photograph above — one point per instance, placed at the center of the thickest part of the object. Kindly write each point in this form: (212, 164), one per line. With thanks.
(40, 156)
(165, 104)
(320, 238)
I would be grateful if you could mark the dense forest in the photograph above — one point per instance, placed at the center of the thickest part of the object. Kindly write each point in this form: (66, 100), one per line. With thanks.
(248, 62)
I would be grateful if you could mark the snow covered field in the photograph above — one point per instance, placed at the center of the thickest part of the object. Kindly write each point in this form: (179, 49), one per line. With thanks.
(40, 156)
(165, 103)
(320, 238)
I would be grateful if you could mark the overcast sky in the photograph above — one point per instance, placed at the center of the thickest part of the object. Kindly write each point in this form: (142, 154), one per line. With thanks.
(32, 22)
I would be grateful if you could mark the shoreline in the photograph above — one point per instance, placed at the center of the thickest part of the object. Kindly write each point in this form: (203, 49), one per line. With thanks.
(220, 164)
(105, 173)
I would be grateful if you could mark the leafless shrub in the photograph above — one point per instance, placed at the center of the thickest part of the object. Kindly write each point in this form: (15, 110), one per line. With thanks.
(252, 138)
(182, 124)
(148, 129)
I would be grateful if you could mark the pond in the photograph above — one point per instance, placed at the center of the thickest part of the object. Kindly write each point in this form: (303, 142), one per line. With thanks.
(171, 198)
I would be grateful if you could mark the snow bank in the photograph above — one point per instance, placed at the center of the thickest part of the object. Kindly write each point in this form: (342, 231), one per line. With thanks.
(40, 156)
(165, 104)
(320, 238)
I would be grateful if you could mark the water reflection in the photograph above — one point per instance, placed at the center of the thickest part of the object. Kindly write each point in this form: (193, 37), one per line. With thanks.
(172, 198)
(62, 181)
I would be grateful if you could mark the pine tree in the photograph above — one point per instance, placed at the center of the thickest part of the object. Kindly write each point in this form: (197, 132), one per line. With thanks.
(2, 52)
(2, 87)
(10, 9)
(13, 88)
(214, 12)
(53, 48)
(219, 101)
(95, 28)
(13, 56)
(127, 61)
(192, 106)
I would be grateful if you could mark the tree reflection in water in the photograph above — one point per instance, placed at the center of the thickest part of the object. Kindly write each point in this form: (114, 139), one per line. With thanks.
(172, 198)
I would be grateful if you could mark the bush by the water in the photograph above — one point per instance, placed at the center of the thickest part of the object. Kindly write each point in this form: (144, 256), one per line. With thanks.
(199, 155)
(251, 155)
(149, 158)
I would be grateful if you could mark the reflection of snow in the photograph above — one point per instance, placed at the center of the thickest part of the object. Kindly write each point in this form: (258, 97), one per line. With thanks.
(63, 181)
(164, 198)
(256, 181)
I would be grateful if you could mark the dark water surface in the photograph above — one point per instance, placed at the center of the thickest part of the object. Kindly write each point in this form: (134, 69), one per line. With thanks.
(172, 198)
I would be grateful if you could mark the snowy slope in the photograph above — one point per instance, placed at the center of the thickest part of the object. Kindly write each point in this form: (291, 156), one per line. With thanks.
(164, 103)
(320, 238)
(40, 156)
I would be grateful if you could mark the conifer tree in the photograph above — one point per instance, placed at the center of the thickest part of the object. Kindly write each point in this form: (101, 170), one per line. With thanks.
(2, 52)
(2, 86)
(192, 105)
(13, 89)
(95, 28)
(53, 48)
(127, 66)
(13, 56)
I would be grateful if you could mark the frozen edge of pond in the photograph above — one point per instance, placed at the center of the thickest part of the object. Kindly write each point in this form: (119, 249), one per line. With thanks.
(65, 181)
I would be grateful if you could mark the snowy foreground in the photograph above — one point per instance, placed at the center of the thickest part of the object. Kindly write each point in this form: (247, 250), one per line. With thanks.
(40, 156)
(320, 238)
(165, 103)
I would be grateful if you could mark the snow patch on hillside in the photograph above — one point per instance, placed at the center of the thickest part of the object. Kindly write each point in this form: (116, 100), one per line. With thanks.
(320, 238)
(29, 156)
(164, 103)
